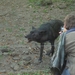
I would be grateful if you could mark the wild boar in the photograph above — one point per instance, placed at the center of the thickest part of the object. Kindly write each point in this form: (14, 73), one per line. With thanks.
(46, 32)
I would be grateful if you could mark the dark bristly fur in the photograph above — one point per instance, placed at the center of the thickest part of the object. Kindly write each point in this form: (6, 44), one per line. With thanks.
(46, 32)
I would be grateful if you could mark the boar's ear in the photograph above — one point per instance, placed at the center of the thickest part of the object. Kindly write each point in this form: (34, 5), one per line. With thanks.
(42, 32)
(33, 27)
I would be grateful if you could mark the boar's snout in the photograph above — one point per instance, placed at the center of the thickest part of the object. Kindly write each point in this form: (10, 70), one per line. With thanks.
(29, 39)
(25, 36)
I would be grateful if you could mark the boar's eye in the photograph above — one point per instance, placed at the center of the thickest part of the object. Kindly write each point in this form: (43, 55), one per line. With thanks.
(31, 32)
(42, 32)
(33, 28)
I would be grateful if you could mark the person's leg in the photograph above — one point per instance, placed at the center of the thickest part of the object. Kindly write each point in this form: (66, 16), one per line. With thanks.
(66, 72)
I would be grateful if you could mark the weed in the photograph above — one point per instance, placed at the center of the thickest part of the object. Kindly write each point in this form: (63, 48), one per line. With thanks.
(22, 42)
(45, 72)
(4, 46)
(45, 11)
(19, 35)
(9, 29)
(39, 2)
(22, 29)
(1, 56)
(35, 2)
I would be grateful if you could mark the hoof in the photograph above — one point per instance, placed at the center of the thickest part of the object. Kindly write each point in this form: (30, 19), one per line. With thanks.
(48, 53)
(39, 60)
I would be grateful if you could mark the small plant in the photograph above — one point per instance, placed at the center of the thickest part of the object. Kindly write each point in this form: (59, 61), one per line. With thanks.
(49, 2)
(45, 72)
(19, 35)
(41, 2)
(9, 29)
(4, 46)
(22, 29)
(34, 1)
(1, 56)
(45, 11)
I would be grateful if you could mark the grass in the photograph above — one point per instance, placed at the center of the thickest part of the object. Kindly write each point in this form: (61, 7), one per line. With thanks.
(46, 72)
(19, 35)
(35, 2)
(45, 10)
(9, 29)
(4, 46)
(38, 2)
(1, 56)
(22, 29)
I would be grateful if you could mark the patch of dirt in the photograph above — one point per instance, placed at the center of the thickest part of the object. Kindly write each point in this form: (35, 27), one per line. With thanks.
(16, 19)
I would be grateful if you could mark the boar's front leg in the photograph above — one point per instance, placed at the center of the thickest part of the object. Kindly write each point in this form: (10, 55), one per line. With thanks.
(52, 49)
(41, 52)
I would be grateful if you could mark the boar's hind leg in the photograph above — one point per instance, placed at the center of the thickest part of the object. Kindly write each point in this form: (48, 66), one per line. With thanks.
(52, 49)
(41, 52)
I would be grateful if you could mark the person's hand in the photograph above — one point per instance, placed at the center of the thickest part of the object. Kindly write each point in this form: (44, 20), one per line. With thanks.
(63, 30)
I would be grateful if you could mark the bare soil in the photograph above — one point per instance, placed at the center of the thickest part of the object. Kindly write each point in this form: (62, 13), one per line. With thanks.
(16, 20)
